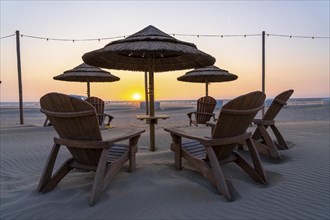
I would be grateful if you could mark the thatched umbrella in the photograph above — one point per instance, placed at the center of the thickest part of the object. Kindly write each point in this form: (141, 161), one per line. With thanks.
(86, 73)
(207, 75)
(149, 50)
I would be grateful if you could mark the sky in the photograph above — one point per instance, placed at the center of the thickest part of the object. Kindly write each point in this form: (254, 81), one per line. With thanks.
(295, 63)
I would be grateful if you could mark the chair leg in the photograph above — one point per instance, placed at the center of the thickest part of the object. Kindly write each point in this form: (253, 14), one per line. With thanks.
(262, 148)
(109, 120)
(272, 149)
(258, 172)
(256, 135)
(189, 116)
(58, 176)
(45, 122)
(47, 181)
(132, 159)
(176, 148)
(177, 155)
(218, 175)
(282, 144)
(132, 151)
(105, 173)
(97, 187)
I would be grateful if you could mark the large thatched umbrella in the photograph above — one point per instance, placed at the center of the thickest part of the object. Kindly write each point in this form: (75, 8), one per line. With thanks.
(149, 50)
(86, 73)
(207, 75)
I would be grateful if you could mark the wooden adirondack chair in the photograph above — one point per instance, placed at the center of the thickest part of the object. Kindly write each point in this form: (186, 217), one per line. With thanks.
(207, 155)
(263, 141)
(204, 112)
(99, 106)
(77, 125)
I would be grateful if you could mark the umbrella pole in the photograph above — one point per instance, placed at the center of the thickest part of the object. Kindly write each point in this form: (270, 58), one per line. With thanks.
(146, 91)
(152, 111)
(88, 90)
(207, 89)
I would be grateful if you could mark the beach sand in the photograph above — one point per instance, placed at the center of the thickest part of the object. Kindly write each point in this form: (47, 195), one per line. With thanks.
(298, 185)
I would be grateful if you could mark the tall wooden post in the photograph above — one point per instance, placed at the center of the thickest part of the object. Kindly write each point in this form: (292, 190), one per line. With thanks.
(207, 88)
(19, 79)
(152, 111)
(146, 91)
(263, 68)
(88, 89)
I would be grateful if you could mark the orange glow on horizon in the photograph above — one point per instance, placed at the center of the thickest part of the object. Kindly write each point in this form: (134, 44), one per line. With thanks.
(291, 63)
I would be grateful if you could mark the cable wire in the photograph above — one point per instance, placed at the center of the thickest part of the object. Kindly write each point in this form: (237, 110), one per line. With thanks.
(7, 36)
(173, 34)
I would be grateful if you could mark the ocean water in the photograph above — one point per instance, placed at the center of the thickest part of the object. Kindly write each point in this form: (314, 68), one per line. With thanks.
(172, 103)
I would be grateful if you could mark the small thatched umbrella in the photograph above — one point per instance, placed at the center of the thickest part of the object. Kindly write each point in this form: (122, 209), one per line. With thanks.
(86, 73)
(207, 75)
(149, 50)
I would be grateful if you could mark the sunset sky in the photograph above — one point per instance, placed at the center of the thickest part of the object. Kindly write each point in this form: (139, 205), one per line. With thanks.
(298, 63)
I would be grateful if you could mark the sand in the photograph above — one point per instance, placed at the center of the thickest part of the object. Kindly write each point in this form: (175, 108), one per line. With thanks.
(298, 185)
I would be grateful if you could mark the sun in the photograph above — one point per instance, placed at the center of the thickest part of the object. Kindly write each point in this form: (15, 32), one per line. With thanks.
(136, 96)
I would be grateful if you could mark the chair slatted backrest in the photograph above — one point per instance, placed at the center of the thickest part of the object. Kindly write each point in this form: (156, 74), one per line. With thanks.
(277, 104)
(98, 105)
(205, 104)
(235, 117)
(73, 119)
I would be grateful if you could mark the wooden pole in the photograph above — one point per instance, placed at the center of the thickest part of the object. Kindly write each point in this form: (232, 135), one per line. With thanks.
(18, 50)
(207, 88)
(146, 91)
(88, 90)
(152, 111)
(263, 68)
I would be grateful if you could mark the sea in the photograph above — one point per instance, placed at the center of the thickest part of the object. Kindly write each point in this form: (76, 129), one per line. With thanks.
(172, 103)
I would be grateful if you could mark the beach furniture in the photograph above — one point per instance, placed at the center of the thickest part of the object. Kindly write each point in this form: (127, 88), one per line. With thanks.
(149, 50)
(208, 154)
(263, 141)
(47, 123)
(86, 73)
(77, 125)
(99, 106)
(204, 111)
(207, 75)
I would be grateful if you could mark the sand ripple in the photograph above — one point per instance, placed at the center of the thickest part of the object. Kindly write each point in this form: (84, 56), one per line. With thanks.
(298, 186)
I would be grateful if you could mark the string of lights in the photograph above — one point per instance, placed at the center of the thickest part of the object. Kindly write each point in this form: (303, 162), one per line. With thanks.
(173, 34)
(295, 36)
(7, 36)
(217, 35)
(73, 40)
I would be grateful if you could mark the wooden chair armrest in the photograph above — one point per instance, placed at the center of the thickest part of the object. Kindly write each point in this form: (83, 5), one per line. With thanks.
(181, 133)
(107, 115)
(209, 141)
(109, 118)
(191, 118)
(128, 135)
(205, 113)
(97, 144)
(230, 140)
(190, 113)
(83, 143)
